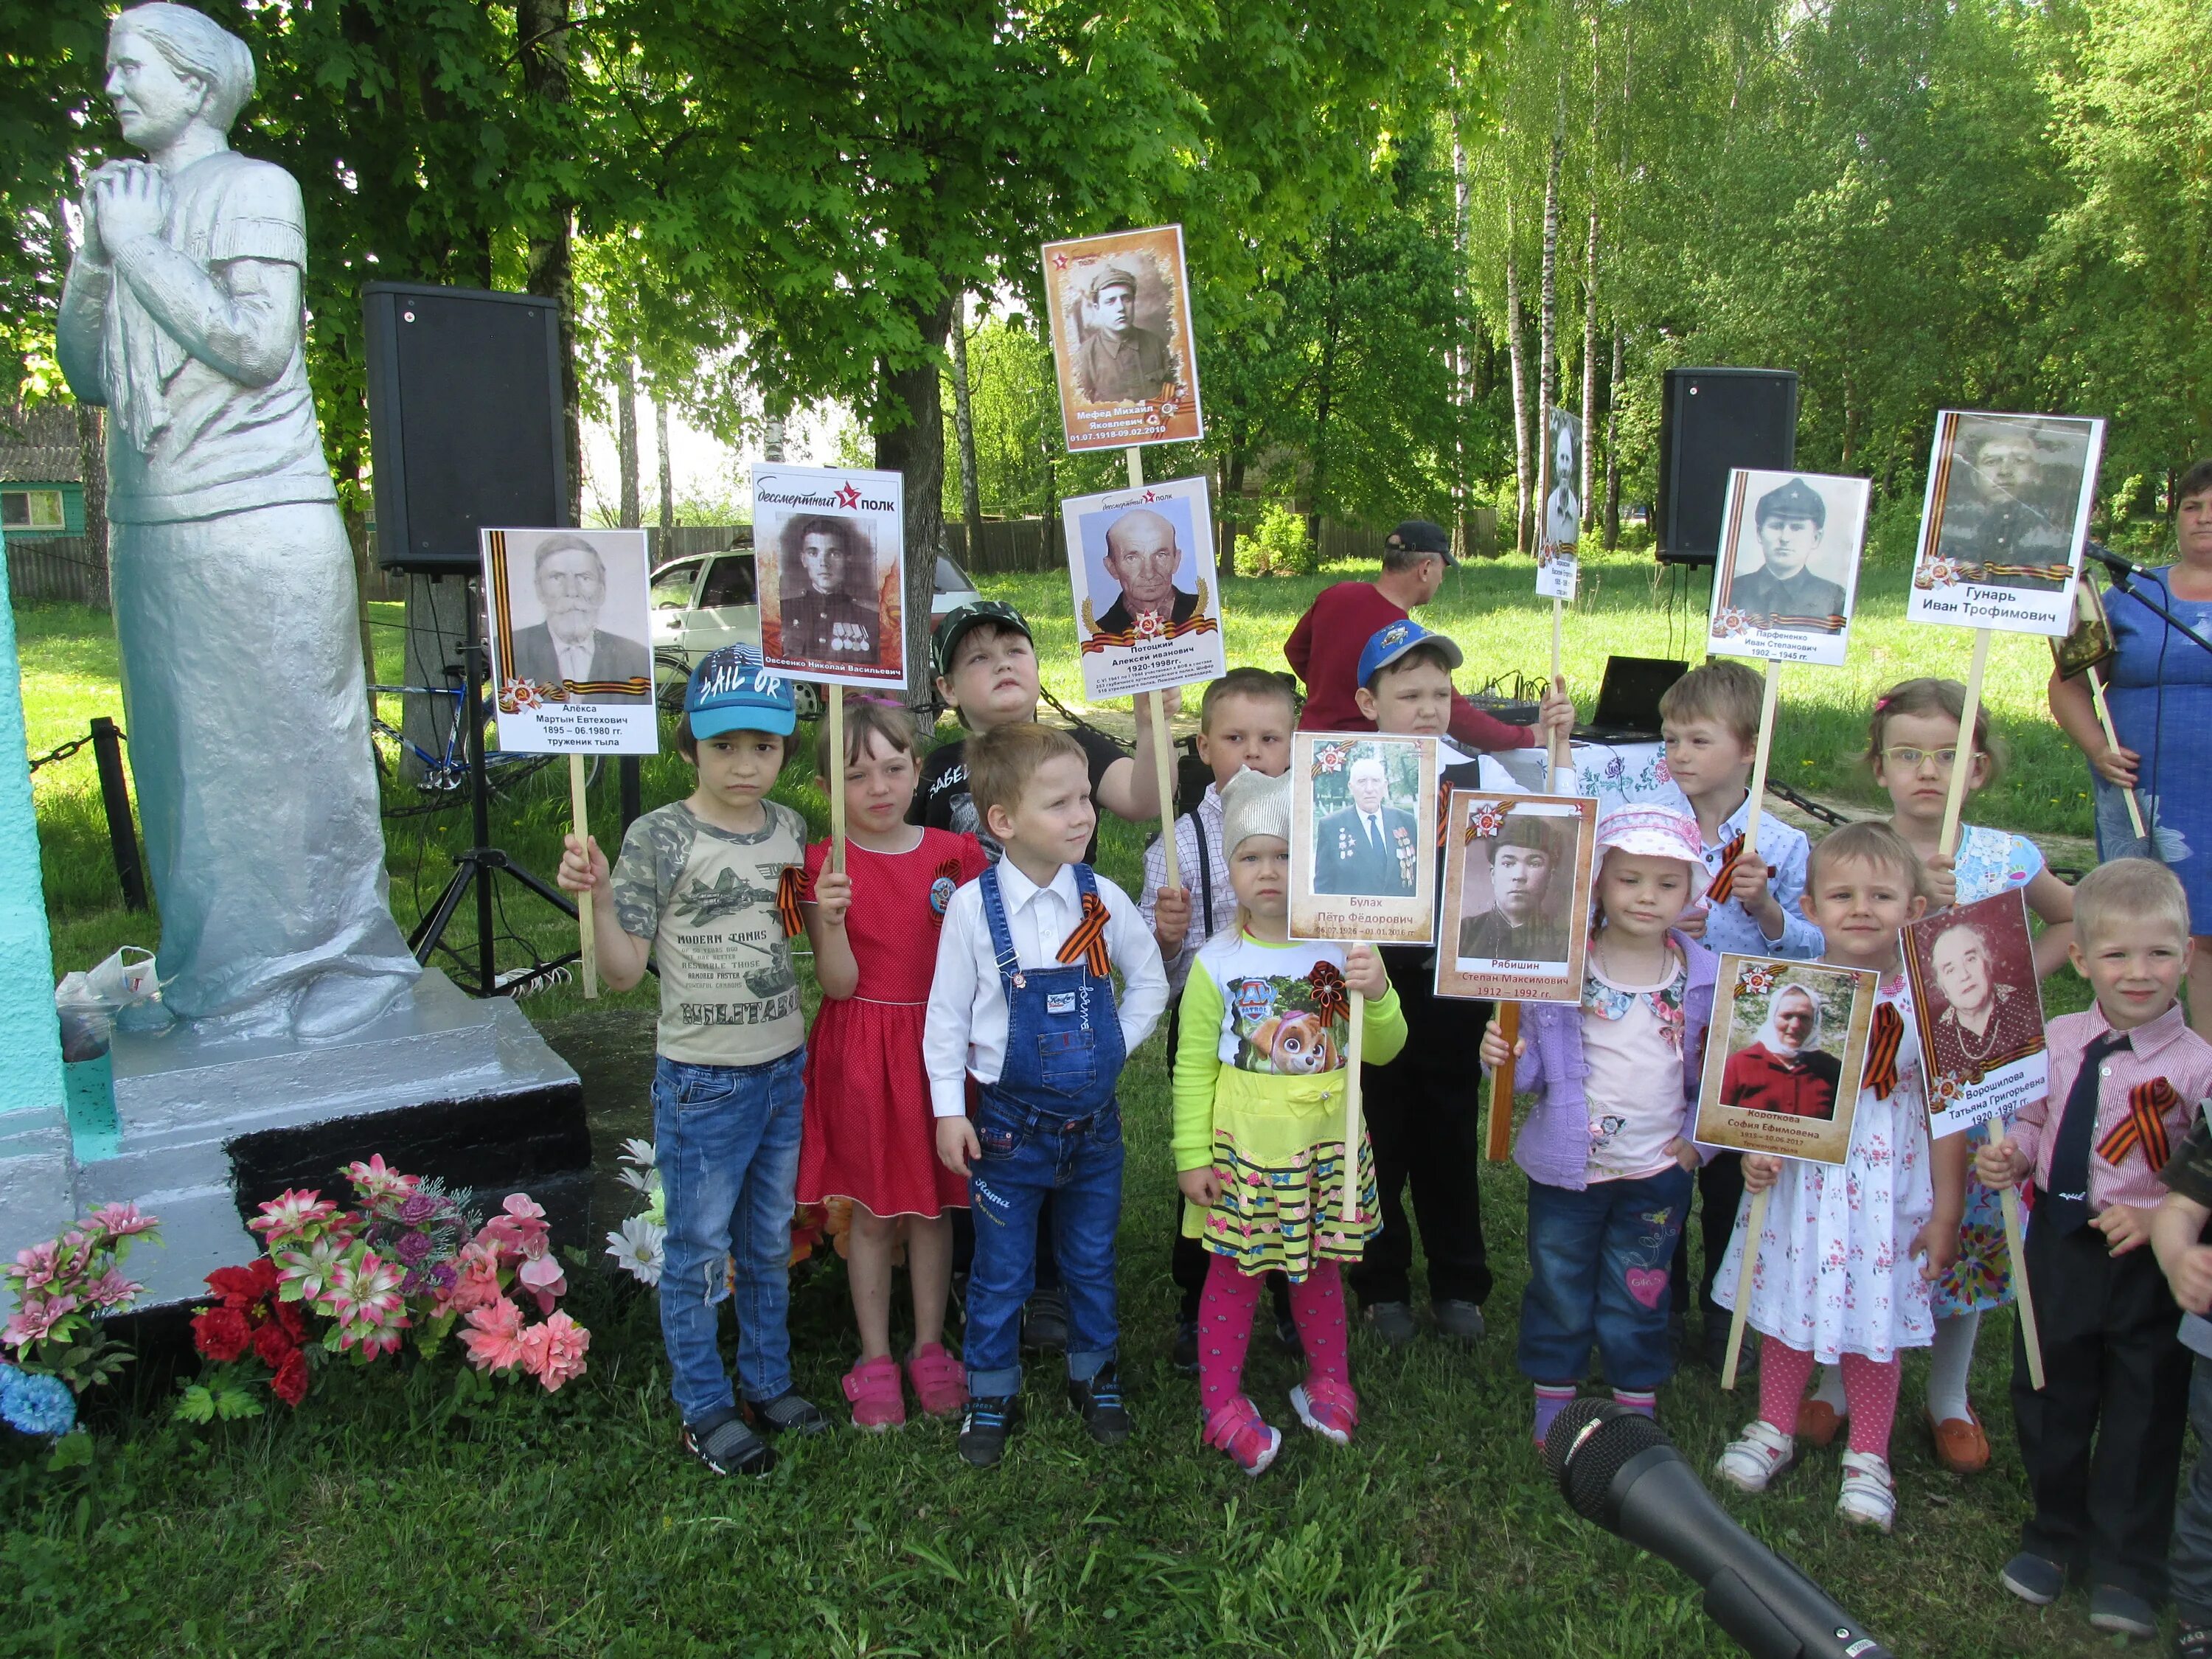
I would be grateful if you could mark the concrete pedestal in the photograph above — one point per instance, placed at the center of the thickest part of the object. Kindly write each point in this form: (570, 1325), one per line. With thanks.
(445, 1085)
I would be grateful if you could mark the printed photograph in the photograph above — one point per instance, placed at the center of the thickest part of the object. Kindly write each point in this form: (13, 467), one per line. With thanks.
(1517, 896)
(1147, 609)
(1119, 311)
(827, 556)
(1557, 568)
(567, 618)
(1783, 1062)
(1979, 1009)
(1363, 838)
(1789, 570)
(2007, 511)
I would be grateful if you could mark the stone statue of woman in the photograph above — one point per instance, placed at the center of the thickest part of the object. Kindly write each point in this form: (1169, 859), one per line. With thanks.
(234, 584)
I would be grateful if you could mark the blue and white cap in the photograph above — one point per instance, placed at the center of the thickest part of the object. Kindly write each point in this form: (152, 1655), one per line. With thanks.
(1395, 640)
(731, 690)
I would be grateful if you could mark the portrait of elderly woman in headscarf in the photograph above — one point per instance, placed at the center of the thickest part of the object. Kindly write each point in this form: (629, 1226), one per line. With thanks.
(1784, 1069)
(233, 578)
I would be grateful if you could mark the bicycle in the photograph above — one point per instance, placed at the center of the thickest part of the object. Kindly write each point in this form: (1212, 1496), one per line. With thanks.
(447, 770)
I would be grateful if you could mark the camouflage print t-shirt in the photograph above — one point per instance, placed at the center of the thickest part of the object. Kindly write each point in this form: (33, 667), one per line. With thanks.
(706, 898)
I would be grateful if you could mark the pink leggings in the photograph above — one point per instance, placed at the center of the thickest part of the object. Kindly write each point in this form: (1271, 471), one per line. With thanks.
(1869, 1393)
(1224, 1327)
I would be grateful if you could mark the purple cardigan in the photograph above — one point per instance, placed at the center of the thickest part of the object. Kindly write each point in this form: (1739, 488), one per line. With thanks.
(1553, 1145)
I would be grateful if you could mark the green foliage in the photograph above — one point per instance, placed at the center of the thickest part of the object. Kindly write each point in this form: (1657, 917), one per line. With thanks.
(1281, 544)
(221, 1394)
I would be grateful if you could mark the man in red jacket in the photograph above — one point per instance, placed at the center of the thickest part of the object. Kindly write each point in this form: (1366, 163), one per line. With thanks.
(1324, 648)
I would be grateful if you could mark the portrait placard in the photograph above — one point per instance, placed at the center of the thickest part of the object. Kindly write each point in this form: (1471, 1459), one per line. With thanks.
(1980, 1010)
(829, 557)
(1120, 307)
(1363, 838)
(1147, 604)
(1558, 565)
(1783, 1063)
(567, 618)
(1789, 566)
(1517, 896)
(2006, 514)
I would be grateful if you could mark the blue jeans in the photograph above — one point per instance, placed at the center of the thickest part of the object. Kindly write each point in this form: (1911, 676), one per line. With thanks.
(727, 1140)
(1028, 1153)
(1598, 1264)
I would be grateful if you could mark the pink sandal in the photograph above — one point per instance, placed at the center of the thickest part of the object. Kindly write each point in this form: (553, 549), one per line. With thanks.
(872, 1386)
(1329, 1409)
(940, 1386)
(1238, 1429)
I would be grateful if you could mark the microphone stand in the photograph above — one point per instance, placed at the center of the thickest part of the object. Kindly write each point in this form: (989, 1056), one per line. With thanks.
(2124, 572)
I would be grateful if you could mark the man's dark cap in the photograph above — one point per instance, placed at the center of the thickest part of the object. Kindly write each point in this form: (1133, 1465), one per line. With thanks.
(1112, 277)
(1420, 535)
(1521, 829)
(963, 620)
(1794, 500)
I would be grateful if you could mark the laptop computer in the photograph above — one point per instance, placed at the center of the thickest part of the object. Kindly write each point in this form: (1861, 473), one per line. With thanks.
(1628, 698)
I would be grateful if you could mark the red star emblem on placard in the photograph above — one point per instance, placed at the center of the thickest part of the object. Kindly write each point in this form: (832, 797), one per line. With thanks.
(1150, 496)
(847, 496)
(1060, 262)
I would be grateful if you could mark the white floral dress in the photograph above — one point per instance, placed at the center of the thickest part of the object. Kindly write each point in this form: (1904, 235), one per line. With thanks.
(1835, 1273)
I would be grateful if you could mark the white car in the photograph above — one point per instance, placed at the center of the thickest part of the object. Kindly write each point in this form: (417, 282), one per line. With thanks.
(708, 600)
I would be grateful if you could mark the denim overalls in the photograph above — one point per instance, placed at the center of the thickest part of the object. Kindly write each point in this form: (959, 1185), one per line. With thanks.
(1050, 1124)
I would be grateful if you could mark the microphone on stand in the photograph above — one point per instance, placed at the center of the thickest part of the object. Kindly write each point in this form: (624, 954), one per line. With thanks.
(2120, 568)
(1616, 1468)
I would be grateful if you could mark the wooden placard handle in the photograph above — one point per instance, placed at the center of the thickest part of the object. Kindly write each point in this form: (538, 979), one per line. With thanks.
(1498, 1145)
(579, 810)
(2113, 737)
(1355, 1041)
(2031, 1339)
(1755, 1225)
(1962, 768)
(1163, 763)
(1562, 772)
(1766, 707)
(836, 716)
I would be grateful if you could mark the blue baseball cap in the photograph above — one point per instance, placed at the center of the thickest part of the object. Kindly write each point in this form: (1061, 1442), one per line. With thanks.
(731, 690)
(1393, 641)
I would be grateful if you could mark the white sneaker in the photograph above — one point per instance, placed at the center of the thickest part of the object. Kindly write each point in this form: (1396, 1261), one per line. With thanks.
(1869, 1495)
(1750, 1463)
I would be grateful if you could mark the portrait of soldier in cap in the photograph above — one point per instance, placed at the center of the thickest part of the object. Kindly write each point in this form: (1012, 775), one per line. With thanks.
(1141, 557)
(2003, 516)
(1781, 590)
(1119, 363)
(1521, 924)
(821, 618)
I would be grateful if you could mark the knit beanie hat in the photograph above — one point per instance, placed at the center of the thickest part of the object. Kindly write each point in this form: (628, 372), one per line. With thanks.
(1253, 803)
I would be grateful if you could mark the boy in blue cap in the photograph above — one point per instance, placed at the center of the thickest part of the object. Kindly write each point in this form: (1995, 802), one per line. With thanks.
(708, 884)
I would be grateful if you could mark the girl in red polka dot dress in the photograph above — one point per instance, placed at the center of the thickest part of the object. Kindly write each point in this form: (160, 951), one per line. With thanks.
(868, 1134)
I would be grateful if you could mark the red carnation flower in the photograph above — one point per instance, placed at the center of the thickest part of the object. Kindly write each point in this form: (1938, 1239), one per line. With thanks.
(290, 1382)
(237, 1286)
(291, 1319)
(271, 1346)
(221, 1333)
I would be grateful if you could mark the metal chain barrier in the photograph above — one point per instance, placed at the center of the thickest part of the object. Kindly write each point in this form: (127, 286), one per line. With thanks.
(69, 749)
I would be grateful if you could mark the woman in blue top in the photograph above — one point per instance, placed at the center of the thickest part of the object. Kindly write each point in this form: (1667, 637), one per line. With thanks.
(2160, 693)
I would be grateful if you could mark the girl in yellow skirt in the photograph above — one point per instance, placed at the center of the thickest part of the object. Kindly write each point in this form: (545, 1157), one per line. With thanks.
(1259, 1129)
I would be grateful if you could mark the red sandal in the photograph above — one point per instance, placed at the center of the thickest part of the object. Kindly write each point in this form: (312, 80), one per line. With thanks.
(940, 1386)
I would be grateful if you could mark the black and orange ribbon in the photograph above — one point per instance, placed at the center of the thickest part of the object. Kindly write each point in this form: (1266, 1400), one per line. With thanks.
(1444, 812)
(2144, 1127)
(1884, 1043)
(1087, 944)
(790, 889)
(1330, 999)
(1132, 636)
(1723, 881)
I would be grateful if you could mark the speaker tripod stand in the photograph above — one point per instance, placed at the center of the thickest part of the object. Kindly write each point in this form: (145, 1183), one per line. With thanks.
(477, 870)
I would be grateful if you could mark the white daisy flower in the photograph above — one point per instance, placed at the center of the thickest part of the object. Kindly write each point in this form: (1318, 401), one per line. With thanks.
(637, 1250)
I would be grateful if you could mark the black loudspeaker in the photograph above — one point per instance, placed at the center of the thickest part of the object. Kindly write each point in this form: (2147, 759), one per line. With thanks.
(1712, 420)
(465, 420)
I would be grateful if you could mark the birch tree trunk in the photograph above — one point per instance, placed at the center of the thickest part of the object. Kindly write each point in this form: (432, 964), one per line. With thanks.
(1590, 297)
(1519, 358)
(963, 427)
(1612, 446)
(626, 437)
(667, 474)
(1547, 346)
(1462, 355)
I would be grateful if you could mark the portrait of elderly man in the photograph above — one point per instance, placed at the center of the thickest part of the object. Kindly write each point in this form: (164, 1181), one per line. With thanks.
(1781, 590)
(2003, 515)
(822, 621)
(1141, 555)
(1523, 923)
(1983, 1020)
(1784, 1069)
(570, 580)
(1119, 363)
(1563, 507)
(1370, 848)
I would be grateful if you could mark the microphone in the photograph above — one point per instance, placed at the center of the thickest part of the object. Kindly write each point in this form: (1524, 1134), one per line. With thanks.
(1616, 1468)
(2122, 568)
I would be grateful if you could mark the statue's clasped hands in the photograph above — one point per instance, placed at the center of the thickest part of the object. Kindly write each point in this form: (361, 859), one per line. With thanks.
(125, 200)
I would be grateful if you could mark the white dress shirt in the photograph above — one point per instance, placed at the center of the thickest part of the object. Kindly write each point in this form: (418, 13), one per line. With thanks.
(965, 1030)
(574, 658)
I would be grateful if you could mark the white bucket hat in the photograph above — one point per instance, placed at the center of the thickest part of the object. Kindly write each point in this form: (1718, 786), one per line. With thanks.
(1654, 830)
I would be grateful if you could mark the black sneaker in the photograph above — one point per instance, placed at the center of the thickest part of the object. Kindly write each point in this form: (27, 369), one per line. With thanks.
(984, 1427)
(729, 1447)
(1391, 1320)
(1186, 1346)
(1286, 1336)
(1099, 1403)
(2192, 1640)
(1044, 1321)
(789, 1414)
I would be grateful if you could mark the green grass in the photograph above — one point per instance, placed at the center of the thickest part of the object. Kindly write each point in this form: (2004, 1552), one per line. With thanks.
(378, 1522)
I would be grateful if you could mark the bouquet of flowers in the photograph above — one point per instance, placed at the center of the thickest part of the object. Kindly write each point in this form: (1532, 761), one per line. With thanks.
(407, 1260)
(637, 1248)
(64, 1287)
